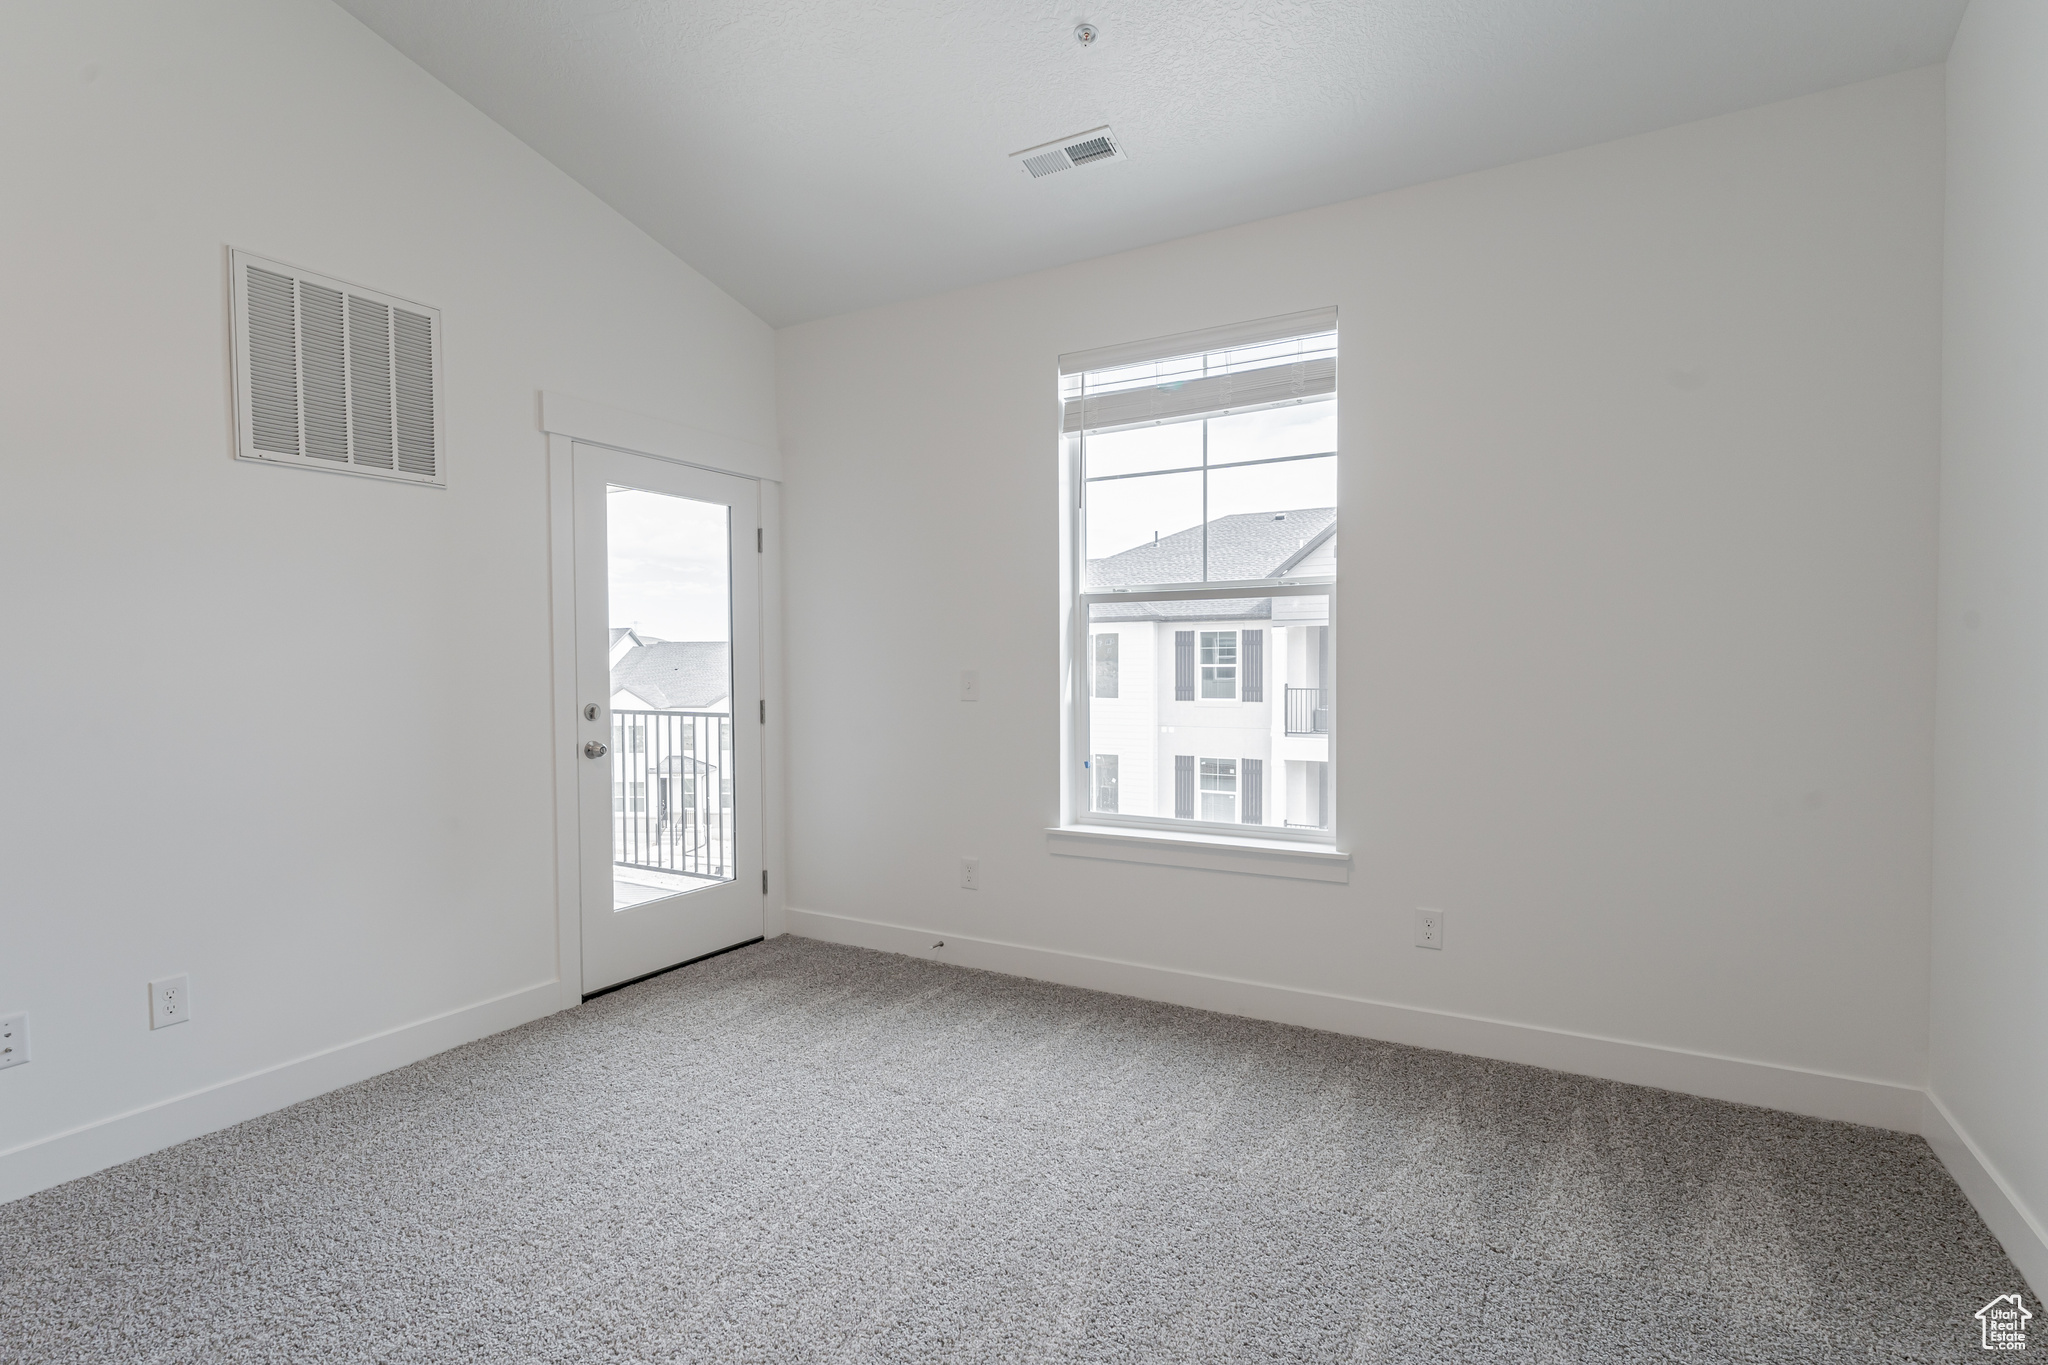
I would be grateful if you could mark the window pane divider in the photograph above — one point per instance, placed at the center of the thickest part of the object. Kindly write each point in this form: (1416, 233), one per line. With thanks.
(1198, 468)
(1286, 587)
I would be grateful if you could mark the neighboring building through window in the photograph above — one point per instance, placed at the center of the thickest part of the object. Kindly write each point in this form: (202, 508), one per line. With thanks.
(1219, 665)
(1105, 783)
(1219, 789)
(1104, 650)
(1207, 527)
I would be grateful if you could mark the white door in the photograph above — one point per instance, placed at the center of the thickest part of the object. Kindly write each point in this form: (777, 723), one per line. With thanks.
(668, 737)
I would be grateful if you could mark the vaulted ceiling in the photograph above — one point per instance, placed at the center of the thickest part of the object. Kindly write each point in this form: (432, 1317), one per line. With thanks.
(818, 156)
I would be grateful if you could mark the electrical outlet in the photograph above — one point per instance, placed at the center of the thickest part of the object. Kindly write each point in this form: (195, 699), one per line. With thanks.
(169, 1002)
(1429, 928)
(13, 1040)
(970, 874)
(970, 685)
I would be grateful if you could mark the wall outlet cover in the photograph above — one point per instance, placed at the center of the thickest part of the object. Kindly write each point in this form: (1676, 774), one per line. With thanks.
(970, 685)
(1429, 929)
(970, 874)
(169, 1002)
(13, 1040)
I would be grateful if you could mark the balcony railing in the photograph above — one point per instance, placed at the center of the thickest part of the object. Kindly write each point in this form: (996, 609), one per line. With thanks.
(1307, 712)
(672, 792)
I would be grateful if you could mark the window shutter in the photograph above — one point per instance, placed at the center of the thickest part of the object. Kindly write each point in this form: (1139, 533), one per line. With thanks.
(334, 376)
(1251, 798)
(1254, 668)
(1184, 666)
(1183, 786)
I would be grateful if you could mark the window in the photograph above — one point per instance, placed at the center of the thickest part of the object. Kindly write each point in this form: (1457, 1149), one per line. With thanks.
(1105, 665)
(1219, 789)
(1219, 665)
(1204, 471)
(1105, 780)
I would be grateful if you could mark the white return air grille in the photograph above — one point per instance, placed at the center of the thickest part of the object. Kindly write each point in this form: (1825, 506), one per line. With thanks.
(334, 376)
(1082, 149)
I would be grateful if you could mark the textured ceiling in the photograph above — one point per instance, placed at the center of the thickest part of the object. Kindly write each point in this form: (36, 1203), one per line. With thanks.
(817, 156)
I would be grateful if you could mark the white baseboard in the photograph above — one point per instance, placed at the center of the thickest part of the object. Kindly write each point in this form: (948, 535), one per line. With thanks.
(108, 1142)
(123, 1137)
(1878, 1104)
(2023, 1236)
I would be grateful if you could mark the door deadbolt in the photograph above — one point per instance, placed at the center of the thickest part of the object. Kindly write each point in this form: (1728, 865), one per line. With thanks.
(595, 749)
(590, 712)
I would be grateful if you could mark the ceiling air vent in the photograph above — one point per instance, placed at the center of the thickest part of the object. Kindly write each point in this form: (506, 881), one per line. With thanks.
(1082, 149)
(330, 375)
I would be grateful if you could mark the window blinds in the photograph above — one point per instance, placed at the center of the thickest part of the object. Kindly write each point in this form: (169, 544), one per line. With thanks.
(1272, 363)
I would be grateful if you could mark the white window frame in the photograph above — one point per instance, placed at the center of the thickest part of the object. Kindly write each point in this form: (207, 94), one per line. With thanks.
(1313, 849)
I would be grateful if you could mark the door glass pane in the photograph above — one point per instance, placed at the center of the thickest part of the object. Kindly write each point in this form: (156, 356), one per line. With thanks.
(670, 588)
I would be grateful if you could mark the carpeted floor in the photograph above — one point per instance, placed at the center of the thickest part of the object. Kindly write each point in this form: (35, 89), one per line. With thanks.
(801, 1152)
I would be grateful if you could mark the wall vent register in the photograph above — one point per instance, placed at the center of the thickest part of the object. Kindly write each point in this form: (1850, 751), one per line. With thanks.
(331, 375)
(1064, 154)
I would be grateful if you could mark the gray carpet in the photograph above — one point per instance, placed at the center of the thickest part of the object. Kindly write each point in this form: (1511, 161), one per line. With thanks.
(800, 1152)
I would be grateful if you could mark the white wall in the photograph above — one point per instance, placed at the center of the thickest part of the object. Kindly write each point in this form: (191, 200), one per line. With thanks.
(1990, 941)
(284, 731)
(1635, 650)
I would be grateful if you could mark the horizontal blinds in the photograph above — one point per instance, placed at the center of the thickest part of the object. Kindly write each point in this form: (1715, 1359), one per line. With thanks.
(1237, 336)
(1177, 400)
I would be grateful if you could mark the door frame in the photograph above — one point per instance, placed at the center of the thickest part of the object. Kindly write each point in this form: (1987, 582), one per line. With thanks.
(567, 421)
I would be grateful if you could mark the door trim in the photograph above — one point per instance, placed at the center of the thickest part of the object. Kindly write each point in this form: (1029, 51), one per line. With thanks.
(638, 433)
(715, 455)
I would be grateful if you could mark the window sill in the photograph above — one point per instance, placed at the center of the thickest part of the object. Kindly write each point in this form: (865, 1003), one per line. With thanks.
(1214, 853)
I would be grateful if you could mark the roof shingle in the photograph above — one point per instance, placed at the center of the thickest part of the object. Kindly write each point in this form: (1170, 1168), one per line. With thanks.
(1244, 545)
(676, 675)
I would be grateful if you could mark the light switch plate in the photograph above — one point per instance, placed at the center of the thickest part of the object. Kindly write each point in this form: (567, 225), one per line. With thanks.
(970, 685)
(13, 1040)
(169, 1002)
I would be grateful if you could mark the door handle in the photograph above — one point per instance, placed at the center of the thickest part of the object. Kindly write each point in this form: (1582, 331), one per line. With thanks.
(595, 749)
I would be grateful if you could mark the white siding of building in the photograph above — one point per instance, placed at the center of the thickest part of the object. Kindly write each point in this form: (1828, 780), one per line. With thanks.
(1211, 729)
(1127, 724)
